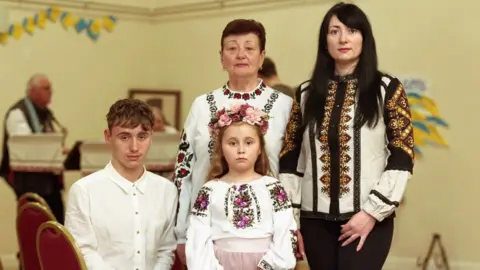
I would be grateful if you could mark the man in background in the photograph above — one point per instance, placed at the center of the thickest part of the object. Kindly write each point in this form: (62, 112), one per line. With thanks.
(32, 115)
(269, 75)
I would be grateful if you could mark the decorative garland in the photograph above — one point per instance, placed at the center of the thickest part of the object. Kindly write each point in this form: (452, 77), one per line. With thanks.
(425, 116)
(92, 27)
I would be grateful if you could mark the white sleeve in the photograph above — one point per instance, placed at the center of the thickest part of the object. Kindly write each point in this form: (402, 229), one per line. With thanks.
(77, 222)
(386, 195)
(16, 123)
(292, 157)
(199, 246)
(281, 255)
(166, 252)
(183, 173)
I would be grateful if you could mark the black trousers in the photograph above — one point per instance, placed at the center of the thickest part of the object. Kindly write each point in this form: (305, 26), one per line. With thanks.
(324, 251)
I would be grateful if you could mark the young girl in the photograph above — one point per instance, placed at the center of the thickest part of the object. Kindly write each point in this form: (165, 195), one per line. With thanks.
(242, 219)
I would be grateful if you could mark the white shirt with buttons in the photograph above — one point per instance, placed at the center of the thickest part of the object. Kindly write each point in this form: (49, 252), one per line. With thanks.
(123, 225)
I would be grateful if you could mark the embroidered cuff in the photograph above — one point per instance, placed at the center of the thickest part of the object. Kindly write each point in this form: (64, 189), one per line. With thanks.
(264, 265)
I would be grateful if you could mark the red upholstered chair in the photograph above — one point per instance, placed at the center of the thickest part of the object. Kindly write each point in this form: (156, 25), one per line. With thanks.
(29, 218)
(56, 248)
(31, 197)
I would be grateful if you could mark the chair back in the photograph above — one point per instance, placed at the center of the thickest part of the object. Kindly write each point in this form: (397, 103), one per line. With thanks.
(29, 218)
(31, 197)
(56, 248)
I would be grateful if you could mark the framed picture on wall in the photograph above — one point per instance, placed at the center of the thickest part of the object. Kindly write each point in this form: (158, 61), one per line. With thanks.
(167, 101)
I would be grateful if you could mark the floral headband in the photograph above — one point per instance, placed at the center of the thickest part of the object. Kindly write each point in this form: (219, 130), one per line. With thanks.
(239, 113)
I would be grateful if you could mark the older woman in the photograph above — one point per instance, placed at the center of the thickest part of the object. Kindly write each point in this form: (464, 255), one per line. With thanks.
(348, 152)
(242, 53)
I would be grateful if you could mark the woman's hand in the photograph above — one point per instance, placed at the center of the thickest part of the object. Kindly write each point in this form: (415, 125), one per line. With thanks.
(181, 253)
(360, 225)
(300, 254)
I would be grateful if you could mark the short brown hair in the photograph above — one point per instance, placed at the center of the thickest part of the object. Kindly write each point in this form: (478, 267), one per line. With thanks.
(130, 113)
(219, 165)
(243, 27)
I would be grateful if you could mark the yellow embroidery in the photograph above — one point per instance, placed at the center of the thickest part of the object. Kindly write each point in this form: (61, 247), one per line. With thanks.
(324, 149)
(400, 121)
(293, 126)
(345, 138)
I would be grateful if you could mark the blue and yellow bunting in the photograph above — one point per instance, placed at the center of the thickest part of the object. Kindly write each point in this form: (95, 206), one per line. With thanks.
(93, 27)
(426, 117)
(109, 23)
(81, 25)
(16, 30)
(53, 13)
(29, 25)
(40, 20)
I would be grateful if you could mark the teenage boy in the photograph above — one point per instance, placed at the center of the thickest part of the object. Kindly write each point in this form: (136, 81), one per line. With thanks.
(122, 217)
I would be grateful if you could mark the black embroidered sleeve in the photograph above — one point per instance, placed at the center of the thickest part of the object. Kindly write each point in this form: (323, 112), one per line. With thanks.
(399, 128)
(293, 138)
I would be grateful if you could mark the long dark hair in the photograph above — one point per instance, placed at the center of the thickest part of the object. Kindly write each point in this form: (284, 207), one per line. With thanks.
(366, 71)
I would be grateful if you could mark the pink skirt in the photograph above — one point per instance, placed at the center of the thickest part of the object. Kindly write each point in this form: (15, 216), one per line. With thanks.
(241, 253)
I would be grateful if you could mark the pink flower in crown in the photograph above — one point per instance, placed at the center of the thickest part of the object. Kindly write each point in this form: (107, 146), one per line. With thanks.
(253, 117)
(236, 118)
(224, 120)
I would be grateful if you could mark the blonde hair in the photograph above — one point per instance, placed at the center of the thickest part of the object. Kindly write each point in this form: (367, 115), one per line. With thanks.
(219, 165)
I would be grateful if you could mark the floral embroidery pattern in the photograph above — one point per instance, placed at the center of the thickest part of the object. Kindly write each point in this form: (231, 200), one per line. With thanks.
(183, 163)
(243, 215)
(279, 197)
(244, 96)
(294, 239)
(201, 203)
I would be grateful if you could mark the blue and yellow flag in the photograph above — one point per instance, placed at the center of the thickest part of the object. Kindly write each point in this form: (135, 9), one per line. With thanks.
(29, 25)
(53, 13)
(93, 29)
(426, 119)
(16, 30)
(40, 19)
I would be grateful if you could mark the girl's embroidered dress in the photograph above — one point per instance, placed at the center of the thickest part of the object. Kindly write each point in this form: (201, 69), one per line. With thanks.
(242, 227)
(196, 143)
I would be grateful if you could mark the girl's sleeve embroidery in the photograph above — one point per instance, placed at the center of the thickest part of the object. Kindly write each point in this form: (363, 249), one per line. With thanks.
(279, 196)
(202, 202)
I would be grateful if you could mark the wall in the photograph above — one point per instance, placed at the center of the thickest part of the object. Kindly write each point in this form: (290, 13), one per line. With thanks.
(432, 39)
(87, 78)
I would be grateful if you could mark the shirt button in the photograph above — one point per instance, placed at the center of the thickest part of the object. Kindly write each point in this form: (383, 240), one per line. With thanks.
(136, 213)
(138, 232)
(134, 194)
(138, 251)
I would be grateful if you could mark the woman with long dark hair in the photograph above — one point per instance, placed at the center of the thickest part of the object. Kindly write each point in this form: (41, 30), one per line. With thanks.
(348, 150)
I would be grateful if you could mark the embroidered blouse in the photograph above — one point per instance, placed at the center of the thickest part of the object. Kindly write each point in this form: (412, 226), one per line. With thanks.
(346, 169)
(196, 145)
(257, 209)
